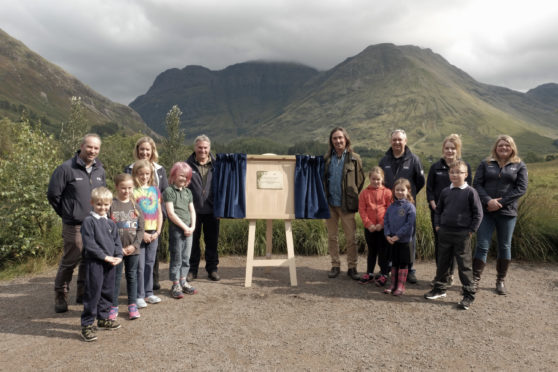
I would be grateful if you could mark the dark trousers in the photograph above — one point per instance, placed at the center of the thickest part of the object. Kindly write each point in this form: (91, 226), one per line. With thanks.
(99, 290)
(130, 263)
(377, 248)
(71, 257)
(455, 243)
(452, 265)
(210, 226)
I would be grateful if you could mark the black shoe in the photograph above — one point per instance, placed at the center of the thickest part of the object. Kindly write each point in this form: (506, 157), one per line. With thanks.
(156, 286)
(352, 273)
(191, 276)
(60, 302)
(88, 333)
(465, 303)
(411, 278)
(334, 272)
(214, 276)
(435, 294)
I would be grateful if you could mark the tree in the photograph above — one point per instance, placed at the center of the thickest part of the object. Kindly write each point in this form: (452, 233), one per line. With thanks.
(73, 131)
(175, 149)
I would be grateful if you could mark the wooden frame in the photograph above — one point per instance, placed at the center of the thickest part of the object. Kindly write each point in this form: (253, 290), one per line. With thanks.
(269, 199)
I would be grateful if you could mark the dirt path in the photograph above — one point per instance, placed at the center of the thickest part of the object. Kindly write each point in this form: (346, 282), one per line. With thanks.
(323, 324)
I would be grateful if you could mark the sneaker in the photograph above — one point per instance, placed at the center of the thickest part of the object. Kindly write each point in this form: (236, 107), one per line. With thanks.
(465, 303)
(188, 289)
(434, 294)
(88, 333)
(133, 312)
(366, 278)
(108, 324)
(411, 277)
(176, 291)
(113, 313)
(153, 299)
(381, 281)
(141, 303)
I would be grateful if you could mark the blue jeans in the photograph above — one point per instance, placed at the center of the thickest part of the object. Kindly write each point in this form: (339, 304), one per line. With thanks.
(504, 229)
(131, 264)
(145, 268)
(180, 247)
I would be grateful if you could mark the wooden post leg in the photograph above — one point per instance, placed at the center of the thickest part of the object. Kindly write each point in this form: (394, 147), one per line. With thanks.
(268, 238)
(290, 252)
(250, 254)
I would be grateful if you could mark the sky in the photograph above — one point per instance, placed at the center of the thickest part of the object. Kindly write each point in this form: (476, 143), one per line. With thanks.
(118, 47)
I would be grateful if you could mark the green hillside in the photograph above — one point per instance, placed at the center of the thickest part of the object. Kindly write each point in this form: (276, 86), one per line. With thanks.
(382, 88)
(44, 90)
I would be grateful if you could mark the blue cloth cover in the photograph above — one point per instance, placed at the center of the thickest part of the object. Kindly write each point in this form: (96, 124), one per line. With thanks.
(310, 198)
(229, 186)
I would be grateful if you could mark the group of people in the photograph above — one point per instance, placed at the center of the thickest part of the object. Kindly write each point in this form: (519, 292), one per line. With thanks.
(106, 234)
(458, 209)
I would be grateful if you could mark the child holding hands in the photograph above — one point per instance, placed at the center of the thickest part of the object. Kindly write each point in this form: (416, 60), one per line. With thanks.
(372, 205)
(179, 204)
(399, 226)
(102, 251)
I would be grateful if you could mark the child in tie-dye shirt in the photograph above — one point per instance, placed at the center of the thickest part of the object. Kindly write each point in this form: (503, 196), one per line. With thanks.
(148, 198)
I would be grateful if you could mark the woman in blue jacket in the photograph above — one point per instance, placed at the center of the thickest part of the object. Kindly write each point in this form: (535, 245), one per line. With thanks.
(500, 181)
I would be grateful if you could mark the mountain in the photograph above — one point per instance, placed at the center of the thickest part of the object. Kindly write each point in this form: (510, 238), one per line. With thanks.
(229, 102)
(382, 88)
(45, 90)
(546, 93)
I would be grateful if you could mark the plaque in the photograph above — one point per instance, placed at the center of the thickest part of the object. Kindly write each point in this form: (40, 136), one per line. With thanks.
(270, 180)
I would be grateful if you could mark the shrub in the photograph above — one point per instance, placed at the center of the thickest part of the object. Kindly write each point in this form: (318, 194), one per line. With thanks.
(26, 216)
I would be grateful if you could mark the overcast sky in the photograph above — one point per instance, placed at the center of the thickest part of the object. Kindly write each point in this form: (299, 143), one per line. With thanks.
(118, 47)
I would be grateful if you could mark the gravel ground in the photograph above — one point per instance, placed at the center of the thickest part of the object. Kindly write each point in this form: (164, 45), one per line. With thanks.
(323, 324)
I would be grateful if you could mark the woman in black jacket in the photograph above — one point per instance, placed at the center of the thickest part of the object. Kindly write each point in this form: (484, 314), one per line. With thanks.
(500, 181)
(438, 179)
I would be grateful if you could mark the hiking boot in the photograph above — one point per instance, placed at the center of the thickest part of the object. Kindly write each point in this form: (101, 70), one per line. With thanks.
(108, 324)
(214, 276)
(352, 273)
(381, 281)
(434, 294)
(334, 272)
(191, 276)
(133, 312)
(88, 333)
(411, 277)
(113, 313)
(176, 291)
(366, 278)
(478, 268)
(60, 302)
(465, 302)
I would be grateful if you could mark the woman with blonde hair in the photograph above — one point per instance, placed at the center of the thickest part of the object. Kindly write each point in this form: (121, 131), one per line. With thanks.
(500, 180)
(145, 149)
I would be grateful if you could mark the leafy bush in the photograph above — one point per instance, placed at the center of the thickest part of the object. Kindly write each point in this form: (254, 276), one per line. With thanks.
(25, 214)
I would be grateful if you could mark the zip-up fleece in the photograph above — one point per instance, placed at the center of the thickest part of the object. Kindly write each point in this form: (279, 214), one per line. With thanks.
(409, 168)
(70, 186)
(351, 183)
(509, 183)
(203, 196)
(372, 205)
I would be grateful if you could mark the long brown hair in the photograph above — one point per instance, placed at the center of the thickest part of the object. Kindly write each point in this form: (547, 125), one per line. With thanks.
(345, 134)
(405, 182)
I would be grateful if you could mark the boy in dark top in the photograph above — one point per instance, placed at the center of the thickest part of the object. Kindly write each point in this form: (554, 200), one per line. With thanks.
(102, 251)
(458, 216)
